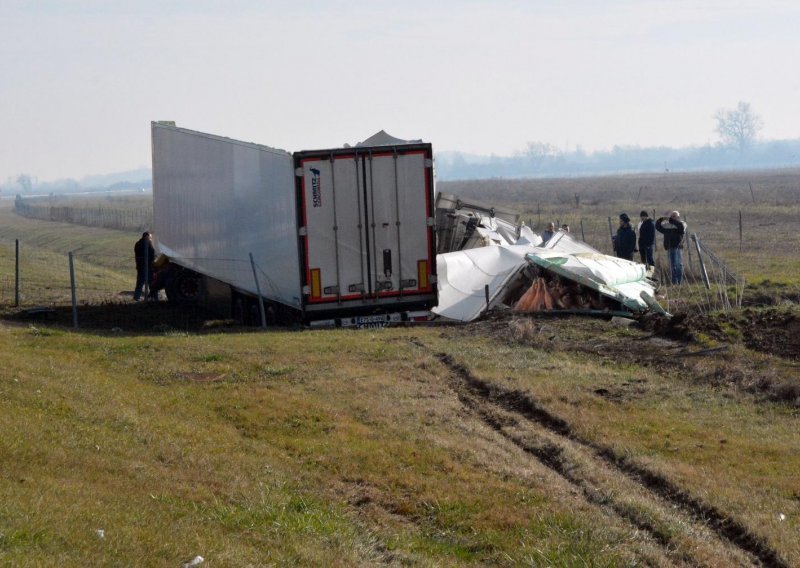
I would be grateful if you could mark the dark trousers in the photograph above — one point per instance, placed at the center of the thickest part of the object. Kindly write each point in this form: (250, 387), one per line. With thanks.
(625, 256)
(141, 277)
(646, 254)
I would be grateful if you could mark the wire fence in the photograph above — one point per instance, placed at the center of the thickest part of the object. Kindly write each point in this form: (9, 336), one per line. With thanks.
(708, 284)
(37, 281)
(34, 279)
(134, 216)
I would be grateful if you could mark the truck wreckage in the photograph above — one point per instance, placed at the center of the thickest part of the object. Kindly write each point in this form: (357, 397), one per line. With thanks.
(345, 236)
(488, 259)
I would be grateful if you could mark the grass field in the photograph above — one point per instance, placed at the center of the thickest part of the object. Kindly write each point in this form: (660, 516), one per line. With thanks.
(514, 441)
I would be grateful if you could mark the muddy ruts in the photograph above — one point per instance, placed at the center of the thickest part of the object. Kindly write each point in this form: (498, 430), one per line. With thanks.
(522, 403)
(551, 456)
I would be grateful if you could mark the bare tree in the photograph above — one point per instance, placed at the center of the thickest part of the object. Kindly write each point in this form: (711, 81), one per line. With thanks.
(537, 154)
(25, 181)
(738, 127)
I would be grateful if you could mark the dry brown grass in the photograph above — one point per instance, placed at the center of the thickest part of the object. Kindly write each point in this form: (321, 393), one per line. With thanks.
(710, 203)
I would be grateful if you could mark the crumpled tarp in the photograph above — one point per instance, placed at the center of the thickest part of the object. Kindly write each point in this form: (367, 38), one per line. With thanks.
(463, 275)
(613, 277)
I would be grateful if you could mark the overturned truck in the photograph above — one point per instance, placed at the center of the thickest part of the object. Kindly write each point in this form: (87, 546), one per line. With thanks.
(509, 267)
(340, 237)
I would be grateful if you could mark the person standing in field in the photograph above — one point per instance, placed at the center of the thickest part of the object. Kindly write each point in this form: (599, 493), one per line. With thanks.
(145, 254)
(548, 233)
(673, 230)
(625, 239)
(647, 239)
(565, 228)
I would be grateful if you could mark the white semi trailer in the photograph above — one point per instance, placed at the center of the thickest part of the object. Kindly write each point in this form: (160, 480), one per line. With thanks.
(342, 236)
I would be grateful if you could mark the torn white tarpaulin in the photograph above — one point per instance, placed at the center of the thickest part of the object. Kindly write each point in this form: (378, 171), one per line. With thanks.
(615, 278)
(463, 277)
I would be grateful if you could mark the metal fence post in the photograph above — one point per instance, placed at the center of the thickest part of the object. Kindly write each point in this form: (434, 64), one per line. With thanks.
(16, 273)
(702, 264)
(583, 236)
(258, 289)
(740, 230)
(72, 287)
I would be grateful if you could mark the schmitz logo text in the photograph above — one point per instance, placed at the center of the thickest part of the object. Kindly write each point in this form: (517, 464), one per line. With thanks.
(316, 190)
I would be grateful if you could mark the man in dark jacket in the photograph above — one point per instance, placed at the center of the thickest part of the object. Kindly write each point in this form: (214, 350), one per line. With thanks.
(647, 239)
(673, 230)
(625, 239)
(145, 254)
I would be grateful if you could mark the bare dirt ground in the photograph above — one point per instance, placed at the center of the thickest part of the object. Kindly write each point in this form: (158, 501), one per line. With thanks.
(773, 331)
(125, 317)
(754, 350)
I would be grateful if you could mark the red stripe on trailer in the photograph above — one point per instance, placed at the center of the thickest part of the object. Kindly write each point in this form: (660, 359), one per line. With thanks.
(305, 221)
(428, 199)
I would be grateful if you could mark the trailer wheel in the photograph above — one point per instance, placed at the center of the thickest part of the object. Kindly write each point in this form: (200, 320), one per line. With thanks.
(185, 287)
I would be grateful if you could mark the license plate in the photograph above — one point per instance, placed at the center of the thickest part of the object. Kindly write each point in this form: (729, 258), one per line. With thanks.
(370, 320)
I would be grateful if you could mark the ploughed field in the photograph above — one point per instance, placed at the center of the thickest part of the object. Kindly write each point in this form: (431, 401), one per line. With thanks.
(514, 440)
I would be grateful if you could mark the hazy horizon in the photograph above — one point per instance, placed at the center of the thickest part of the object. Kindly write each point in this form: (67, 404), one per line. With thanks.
(82, 81)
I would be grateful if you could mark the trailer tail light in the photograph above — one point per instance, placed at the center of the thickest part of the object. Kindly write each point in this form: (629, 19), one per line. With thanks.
(316, 283)
(422, 274)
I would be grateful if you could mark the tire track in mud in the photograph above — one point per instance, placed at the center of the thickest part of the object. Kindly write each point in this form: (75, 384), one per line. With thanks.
(480, 395)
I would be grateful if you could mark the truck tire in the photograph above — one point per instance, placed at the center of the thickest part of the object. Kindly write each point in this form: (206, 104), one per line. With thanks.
(185, 287)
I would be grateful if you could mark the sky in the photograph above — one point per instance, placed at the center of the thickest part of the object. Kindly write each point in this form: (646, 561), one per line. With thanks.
(81, 80)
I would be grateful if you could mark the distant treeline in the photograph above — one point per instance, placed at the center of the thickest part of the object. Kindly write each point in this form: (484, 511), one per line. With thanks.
(30, 184)
(127, 214)
(545, 160)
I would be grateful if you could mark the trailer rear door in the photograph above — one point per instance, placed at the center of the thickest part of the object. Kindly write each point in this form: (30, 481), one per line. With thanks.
(367, 234)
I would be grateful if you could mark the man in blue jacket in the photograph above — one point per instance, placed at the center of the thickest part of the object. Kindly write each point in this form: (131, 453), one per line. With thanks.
(647, 239)
(625, 239)
(673, 230)
(548, 233)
